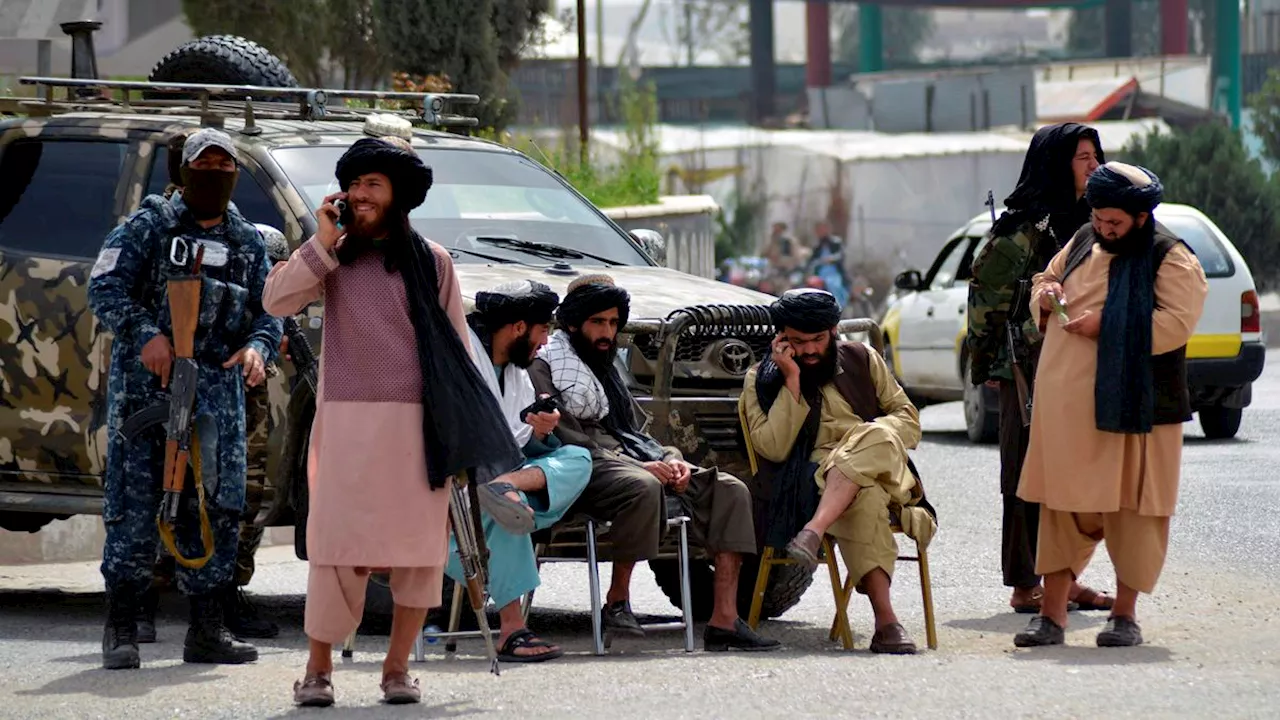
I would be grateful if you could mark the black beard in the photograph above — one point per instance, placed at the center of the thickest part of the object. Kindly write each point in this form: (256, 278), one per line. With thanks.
(520, 351)
(813, 377)
(598, 360)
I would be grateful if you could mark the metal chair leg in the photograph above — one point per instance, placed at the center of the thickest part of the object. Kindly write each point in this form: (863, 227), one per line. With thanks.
(926, 592)
(686, 594)
(762, 584)
(593, 580)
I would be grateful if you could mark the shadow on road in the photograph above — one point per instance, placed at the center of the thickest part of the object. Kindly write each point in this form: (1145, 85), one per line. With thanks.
(1014, 623)
(124, 684)
(442, 710)
(954, 438)
(1076, 655)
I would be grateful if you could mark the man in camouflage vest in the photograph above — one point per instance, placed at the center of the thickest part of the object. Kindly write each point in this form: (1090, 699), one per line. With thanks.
(1041, 216)
(241, 616)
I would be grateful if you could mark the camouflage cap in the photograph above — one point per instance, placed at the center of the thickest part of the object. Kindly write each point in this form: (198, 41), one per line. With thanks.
(204, 139)
(277, 246)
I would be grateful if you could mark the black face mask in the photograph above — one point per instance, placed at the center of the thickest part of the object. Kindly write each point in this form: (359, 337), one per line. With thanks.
(207, 192)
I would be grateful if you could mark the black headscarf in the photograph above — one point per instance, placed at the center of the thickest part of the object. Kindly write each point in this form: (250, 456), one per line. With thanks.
(805, 309)
(462, 425)
(589, 296)
(1124, 391)
(526, 301)
(1047, 186)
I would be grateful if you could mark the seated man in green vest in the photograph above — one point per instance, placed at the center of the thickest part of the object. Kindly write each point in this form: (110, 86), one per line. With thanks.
(827, 417)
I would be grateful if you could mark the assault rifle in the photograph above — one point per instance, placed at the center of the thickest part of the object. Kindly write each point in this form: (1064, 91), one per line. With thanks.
(180, 448)
(1013, 340)
(300, 352)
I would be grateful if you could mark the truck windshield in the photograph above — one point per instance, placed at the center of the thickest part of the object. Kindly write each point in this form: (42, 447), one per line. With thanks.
(481, 194)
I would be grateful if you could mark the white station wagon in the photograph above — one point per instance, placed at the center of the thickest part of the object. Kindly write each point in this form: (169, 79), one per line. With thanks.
(925, 328)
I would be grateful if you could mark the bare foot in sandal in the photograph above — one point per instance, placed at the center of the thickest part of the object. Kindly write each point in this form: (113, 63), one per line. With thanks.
(522, 646)
(501, 499)
(1089, 599)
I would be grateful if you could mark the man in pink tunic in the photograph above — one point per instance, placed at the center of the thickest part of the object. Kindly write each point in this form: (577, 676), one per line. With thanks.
(394, 345)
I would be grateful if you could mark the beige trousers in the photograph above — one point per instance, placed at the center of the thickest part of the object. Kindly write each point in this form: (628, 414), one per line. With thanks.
(1136, 543)
(335, 597)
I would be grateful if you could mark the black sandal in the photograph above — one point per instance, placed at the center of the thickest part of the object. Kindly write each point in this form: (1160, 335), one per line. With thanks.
(514, 516)
(526, 639)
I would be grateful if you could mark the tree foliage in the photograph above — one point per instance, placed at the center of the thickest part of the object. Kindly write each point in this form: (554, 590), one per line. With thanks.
(1209, 169)
(1265, 105)
(905, 31)
(474, 43)
(721, 26)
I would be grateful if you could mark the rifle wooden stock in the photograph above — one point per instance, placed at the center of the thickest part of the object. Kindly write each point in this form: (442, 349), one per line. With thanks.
(1020, 381)
(184, 308)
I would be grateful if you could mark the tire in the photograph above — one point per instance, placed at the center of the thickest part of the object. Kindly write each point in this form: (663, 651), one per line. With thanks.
(981, 422)
(221, 60)
(1220, 423)
(787, 585)
(27, 522)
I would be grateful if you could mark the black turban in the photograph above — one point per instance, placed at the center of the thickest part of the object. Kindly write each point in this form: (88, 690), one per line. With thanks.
(1130, 188)
(410, 178)
(590, 296)
(807, 310)
(522, 301)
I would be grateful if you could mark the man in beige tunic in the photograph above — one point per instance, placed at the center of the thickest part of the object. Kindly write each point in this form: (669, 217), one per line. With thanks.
(1118, 305)
(826, 415)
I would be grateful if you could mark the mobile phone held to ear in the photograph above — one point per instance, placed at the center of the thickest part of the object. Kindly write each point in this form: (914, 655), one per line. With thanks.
(344, 213)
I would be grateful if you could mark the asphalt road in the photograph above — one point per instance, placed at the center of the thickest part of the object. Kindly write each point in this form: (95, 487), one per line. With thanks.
(1211, 629)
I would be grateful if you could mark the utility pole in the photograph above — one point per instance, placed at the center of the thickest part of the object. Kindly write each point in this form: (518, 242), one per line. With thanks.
(599, 38)
(583, 118)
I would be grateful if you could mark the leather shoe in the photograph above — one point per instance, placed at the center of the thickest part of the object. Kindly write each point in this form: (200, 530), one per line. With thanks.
(1120, 631)
(892, 639)
(742, 637)
(1040, 631)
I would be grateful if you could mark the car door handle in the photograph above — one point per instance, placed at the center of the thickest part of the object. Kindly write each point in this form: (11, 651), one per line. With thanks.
(929, 312)
(961, 309)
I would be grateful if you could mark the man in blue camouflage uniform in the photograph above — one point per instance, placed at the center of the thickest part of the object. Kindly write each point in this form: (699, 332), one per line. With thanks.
(1042, 214)
(234, 342)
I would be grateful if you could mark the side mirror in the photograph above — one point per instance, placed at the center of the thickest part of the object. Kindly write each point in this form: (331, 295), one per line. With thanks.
(909, 280)
(653, 244)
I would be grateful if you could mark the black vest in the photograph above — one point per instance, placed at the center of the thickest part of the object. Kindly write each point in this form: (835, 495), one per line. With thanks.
(1168, 370)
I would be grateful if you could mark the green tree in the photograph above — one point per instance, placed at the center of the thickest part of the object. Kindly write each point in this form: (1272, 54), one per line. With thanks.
(289, 30)
(905, 31)
(1208, 168)
(474, 44)
(1265, 105)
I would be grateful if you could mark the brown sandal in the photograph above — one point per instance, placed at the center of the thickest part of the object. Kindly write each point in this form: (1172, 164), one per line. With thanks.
(804, 547)
(400, 689)
(1089, 599)
(1032, 606)
(313, 691)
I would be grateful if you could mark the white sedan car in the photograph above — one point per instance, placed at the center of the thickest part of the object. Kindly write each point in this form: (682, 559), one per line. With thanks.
(925, 327)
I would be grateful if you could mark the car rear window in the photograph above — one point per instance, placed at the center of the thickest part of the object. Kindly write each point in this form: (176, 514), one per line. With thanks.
(1209, 251)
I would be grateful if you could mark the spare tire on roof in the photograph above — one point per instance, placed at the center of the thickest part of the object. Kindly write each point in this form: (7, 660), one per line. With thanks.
(221, 60)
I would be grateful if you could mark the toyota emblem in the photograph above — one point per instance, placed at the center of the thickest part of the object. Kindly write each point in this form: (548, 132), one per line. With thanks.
(735, 357)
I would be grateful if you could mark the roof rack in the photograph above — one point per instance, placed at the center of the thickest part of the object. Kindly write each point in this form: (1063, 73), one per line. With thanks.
(214, 103)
